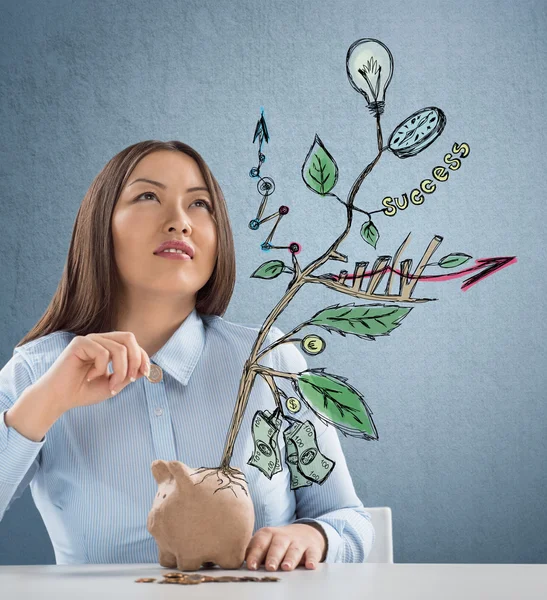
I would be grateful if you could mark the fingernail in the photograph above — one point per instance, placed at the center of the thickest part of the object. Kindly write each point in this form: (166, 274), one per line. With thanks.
(132, 379)
(271, 565)
(252, 565)
(286, 565)
(113, 392)
(148, 369)
(312, 565)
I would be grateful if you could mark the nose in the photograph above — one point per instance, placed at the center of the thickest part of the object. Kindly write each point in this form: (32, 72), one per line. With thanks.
(185, 227)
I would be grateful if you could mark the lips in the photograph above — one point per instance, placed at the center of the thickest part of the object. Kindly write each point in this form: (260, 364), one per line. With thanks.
(174, 255)
(176, 244)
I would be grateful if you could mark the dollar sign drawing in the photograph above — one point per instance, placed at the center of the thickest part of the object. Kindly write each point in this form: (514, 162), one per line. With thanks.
(293, 404)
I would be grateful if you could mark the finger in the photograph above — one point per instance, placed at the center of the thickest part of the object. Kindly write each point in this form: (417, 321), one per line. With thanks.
(258, 547)
(118, 356)
(293, 556)
(89, 350)
(96, 371)
(312, 557)
(278, 547)
(144, 368)
(135, 354)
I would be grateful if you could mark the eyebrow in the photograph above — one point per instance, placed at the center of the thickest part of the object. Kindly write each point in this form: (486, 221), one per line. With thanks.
(162, 185)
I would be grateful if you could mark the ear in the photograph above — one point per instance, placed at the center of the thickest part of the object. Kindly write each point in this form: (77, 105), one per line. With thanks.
(179, 472)
(160, 471)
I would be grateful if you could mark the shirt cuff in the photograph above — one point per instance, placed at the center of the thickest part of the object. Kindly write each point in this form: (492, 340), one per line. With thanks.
(334, 539)
(22, 452)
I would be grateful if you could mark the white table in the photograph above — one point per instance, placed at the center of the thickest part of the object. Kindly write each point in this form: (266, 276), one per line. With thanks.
(334, 581)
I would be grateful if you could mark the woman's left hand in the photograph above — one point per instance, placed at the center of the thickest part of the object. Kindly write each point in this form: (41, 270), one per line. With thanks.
(295, 544)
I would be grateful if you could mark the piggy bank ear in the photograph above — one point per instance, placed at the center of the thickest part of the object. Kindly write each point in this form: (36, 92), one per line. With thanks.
(160, 471)
(179, 472)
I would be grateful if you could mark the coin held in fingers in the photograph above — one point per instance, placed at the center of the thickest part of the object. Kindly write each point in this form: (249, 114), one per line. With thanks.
(156, 374)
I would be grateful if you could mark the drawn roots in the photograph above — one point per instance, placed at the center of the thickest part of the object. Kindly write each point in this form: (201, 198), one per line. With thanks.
(232, 475)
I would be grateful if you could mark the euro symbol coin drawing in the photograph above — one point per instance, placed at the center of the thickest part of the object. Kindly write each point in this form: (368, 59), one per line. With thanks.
(313, 344)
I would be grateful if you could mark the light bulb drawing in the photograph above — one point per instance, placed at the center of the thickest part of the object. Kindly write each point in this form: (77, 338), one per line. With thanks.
(369, 67)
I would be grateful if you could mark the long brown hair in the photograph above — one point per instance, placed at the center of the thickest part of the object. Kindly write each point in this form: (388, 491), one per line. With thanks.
(86, 297)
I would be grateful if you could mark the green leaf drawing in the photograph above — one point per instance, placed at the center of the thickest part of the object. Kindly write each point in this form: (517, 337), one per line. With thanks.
(319, 171)
(365, 321)
(369, 233)
(454, 260)
(269, 270)
(335, 402)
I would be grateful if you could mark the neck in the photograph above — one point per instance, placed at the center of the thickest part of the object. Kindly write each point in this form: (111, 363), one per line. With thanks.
(153, 321)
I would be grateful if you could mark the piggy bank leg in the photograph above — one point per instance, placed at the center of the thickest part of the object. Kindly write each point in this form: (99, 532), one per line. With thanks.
(167, 559)
(231, 562)
(188, 564)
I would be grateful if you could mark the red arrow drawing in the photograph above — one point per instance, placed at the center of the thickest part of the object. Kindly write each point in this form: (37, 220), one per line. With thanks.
(484, 266)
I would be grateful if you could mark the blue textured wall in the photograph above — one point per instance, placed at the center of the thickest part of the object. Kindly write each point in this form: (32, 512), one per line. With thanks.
(458, 391)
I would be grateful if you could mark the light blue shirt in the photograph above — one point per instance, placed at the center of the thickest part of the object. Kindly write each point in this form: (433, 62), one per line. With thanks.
(90, 475)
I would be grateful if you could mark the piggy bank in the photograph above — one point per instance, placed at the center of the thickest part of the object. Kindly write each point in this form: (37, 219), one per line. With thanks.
(200, 517)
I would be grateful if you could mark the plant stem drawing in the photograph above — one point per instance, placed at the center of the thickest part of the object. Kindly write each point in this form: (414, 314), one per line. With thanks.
(369, 66)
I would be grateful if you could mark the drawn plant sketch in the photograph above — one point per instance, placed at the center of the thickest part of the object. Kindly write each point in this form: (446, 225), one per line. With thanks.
(369, 66)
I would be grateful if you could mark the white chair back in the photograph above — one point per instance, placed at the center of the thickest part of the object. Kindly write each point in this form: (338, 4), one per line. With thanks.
(382, 549)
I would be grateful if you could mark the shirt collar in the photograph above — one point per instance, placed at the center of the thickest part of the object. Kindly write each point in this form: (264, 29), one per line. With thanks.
(180, 354)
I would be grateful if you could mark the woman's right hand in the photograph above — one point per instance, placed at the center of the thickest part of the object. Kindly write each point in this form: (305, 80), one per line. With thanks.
(87, 357)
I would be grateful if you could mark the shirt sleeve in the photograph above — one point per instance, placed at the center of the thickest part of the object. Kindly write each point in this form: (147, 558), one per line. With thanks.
(19, 456)
(334, 505)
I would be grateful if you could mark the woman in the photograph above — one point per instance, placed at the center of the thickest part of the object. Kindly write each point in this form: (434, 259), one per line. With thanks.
(84, 438)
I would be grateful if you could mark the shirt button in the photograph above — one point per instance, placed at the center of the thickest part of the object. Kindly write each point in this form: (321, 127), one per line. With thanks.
(159, 411)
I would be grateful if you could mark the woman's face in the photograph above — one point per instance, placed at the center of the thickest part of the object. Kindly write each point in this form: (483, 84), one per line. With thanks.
(148, 214)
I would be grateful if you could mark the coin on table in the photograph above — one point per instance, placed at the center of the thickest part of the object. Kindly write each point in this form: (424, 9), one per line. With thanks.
(184, 580)
(145, 580)
(156, 374)
(193, 578)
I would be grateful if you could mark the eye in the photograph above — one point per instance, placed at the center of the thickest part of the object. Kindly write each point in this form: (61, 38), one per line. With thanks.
(206, 203)
(147, 194)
